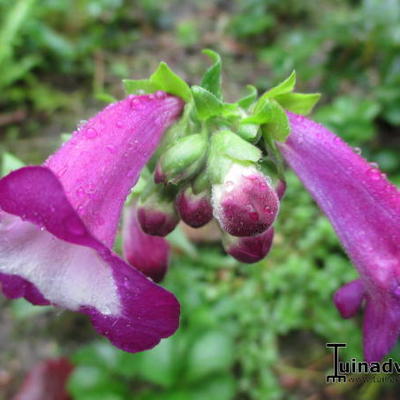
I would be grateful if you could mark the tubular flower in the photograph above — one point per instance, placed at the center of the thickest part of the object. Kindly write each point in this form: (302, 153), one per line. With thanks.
(364, 209)
(58, 223)
(149, 254)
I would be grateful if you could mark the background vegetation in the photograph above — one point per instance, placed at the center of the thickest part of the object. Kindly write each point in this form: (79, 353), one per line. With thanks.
(248, 332)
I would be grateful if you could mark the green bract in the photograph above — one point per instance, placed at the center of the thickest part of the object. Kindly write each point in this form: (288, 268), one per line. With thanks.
(212, 135)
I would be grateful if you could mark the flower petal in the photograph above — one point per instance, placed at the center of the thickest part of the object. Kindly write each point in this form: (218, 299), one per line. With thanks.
(45, 243)
(149, 254)
(102, 161)
(349, 297)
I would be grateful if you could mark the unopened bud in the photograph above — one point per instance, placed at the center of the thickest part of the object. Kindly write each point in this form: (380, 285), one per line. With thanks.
(195, 210)
(181, 161)
(149, 254)
(157, 215)
(245, 203)
(249, 249)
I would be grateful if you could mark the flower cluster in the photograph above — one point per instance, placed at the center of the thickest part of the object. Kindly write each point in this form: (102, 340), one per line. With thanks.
(200, 158)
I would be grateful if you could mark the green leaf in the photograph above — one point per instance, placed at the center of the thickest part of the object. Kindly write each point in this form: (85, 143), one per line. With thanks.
(284, 87)
(159, 364)
(211, 353)
(207, 104)
(132, 86)
(211, 80)
(10, 163)
(298, 102)
(170, 82)
(248, 100)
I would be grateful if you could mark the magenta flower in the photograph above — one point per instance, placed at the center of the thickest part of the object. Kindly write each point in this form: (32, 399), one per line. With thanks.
(58, 224)
(364, 209)
(149, 254)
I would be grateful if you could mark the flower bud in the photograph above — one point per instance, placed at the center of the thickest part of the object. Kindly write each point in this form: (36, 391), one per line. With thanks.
(149, 254)
(249, 249)
(182, 160)
(195, 210)
(245, 203)
(157, 215)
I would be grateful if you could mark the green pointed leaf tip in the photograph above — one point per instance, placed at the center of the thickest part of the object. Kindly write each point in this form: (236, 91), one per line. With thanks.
(286, 86)
(298, 103)
(249, 99)
(207, 104)
(212, 78)
(170, 82)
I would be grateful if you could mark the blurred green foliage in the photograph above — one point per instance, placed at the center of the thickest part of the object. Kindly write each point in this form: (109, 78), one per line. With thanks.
(244, 328)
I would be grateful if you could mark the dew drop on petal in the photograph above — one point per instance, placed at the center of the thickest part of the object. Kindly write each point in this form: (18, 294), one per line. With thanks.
(357, 150)
(91, 133)
(374, 173)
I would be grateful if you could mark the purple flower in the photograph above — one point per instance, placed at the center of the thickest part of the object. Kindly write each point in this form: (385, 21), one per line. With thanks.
(249, 249)
(149, 254)
(245, 204)
(194, 209)
(58, 223)
(364, 209)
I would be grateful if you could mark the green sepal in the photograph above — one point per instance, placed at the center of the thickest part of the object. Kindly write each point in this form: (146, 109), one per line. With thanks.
(184, 159)
(246, 101)
(235, 147)
(271, 115)
(208, 105)
(227, 148)
(10, 163)
(170, 82)
(249, 132)
(299, 103)
(132, 86)
(212, 77)
(284, 87)
(201, 182)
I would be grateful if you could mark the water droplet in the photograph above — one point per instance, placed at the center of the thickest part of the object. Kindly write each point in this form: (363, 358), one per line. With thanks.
(374, 164)
(374, 173)
(357, 150)
(134, 102)
(160, 94)
(111, 148)
(81, 124)
(91, 133)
